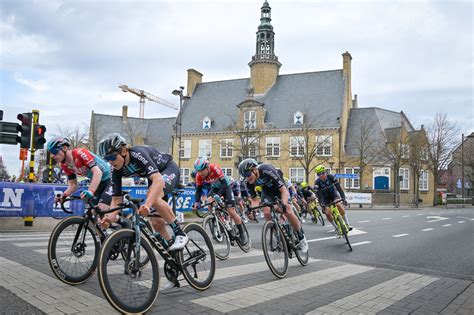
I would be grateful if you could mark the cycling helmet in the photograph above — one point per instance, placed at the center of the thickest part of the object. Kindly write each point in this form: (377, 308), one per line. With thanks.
(320, 169)
(193, 174)
(258, 189)
(304, 185)
(246, 165)
(201, 163)
(57, 143)
(112, 144)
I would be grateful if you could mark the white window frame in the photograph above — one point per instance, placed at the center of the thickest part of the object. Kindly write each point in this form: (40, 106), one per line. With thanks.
(185, 149)
(404, 151)
(296, 174)
(424, 183)
(324, 145)
(297, 146)
(206, 121)
(273, 146)
(350, 183)
(250, 119)
(205, 147)
(405, 182)
(252, 146)
(227, 171)
(184, 175)
(226, 148)
(295, 120)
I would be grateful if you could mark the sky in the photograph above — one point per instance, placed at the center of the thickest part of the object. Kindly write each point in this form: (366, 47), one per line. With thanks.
(67, 58)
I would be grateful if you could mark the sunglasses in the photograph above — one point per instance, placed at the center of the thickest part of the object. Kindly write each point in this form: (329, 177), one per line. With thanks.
(55, 151)
(248, 173)
(111, 157)
(321, 173)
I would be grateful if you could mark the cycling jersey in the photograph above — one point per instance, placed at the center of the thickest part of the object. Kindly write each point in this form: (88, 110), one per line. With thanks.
(144, 162)
(244, 192)
(270, 181)
(83, 162)
(328, 190)
(220, 184)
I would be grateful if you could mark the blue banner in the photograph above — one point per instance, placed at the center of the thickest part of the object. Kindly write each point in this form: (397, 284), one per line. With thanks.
(37, 200)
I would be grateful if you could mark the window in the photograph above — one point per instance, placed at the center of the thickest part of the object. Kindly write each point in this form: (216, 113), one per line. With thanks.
(424, 180)
(273, 146)
(297, 145)
(206, 123)
(352, 183)
(324, 145)
(184, 174)
(227, 171)
(297, 175)
(298, 118)
(205, 147)
(424, 154)
(404, 174)
(250, 119)
(404, 151)
(226, 148)
(251, 147)
(185, 149)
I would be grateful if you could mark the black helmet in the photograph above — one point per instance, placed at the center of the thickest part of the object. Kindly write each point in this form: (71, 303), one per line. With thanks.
(112, 144)
(246, 165)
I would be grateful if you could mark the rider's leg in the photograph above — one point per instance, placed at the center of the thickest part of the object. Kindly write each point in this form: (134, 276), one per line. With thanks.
(328, 212)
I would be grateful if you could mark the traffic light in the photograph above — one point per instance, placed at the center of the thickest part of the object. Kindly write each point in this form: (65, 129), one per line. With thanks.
(38, 136)
(25, 137)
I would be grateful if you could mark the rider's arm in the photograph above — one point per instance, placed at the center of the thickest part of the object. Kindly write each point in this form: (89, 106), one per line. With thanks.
(197, 194)
(223, 187)
(339, 189)
(285, 195)
(96, 177)
(72, 186)
(155, 191)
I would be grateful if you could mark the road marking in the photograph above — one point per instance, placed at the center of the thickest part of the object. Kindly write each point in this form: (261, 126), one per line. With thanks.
(31, 285)
(31, 244)
(461, 221)
(387, 218)
(379, 297)
(430, 229)
(471, 219)
(7, 235)
(419, 214)
(406, 216)
(365, 221)
(449, 224)
(24, 239)
(436, 218)
(351, 233)
(252, 295)
(361, 243)
(400, 235)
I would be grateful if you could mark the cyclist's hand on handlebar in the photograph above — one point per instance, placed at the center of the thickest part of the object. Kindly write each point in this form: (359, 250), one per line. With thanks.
(108, 219)
(87, 194)
(344, 202)
(144, 210)
(59, 198)
(210, 199)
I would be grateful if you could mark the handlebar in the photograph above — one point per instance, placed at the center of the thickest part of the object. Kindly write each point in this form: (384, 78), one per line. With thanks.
(332, 203)
(128, 203)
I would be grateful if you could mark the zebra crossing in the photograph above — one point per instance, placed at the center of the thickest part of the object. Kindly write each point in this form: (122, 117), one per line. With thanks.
(242, 284)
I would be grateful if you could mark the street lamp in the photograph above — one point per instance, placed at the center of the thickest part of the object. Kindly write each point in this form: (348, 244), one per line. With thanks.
(178, 122)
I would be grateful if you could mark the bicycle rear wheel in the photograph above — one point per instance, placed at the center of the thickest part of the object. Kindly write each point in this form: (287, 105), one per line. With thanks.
(130, 286)
(246, 248)
(217, 233)
(197, 258)
(275, 249)
(321, 218)
(73, 263)
(344, 231)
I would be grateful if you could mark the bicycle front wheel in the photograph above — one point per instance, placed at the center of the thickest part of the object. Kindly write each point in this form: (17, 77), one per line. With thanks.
(73, 251)
(197, 258)
(130, 285)
(321, 218)
(217, 233)
(344, 231)
(275, 249)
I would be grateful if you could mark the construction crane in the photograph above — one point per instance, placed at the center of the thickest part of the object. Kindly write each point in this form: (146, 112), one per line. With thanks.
(145, 95)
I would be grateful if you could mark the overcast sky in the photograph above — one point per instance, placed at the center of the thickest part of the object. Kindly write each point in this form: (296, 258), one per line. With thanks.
(66, 58)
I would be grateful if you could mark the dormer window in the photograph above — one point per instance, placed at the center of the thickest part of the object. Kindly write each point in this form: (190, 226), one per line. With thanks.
(250, 119)
(206, 123)
(298, 118)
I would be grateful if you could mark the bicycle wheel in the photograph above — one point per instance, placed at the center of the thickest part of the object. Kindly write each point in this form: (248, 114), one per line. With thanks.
(73, 263)
(275, 249)
(303, 258)
(128, 285)
(246, 248)
(197, 258)
(217, 233)
(321, 218)
(344, 231)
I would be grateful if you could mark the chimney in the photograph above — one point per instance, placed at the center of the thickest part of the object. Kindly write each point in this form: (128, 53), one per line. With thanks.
(124, 112)
(194, 77)
(346, 70)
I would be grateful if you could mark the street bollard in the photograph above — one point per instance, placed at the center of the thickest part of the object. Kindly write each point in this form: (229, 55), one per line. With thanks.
(28, 221)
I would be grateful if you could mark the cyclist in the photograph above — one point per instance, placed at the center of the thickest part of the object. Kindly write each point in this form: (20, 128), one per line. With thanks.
(80, 161)
(272, 187)
(162, 174)
(328, 189)
(220, 185)
(308, 196)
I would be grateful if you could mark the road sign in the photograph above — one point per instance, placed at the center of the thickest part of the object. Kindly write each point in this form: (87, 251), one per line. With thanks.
(353, 176)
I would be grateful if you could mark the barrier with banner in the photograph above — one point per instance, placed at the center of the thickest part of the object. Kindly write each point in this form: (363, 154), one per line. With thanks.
(37, 200)
(359, 198)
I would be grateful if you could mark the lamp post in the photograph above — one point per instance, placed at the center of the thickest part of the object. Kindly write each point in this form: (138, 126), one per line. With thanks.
(178, 122)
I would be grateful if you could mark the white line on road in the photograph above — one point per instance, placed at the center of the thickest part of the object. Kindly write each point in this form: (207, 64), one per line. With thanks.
(449, 224)
(361, 243)
(31, 244)
(9, 235)
(365, 221)
(400, 235)
(379, 297)
(471, 219)
(406, 216)
(24, 239)
(387, 218)
(461, 221)
(425, 230)
(351, 233)
(419, 214)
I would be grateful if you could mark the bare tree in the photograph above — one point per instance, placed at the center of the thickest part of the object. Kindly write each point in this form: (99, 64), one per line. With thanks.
(441, 135)
(78, 134)
(249, 141)
(417, 159)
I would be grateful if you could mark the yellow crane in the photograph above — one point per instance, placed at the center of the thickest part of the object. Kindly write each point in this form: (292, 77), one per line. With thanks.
(146, 96)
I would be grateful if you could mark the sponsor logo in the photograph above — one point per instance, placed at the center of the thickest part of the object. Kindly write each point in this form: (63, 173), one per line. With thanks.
(12, 199)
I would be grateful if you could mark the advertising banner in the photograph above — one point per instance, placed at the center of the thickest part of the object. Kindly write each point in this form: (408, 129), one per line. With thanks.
(359, 198)
(37, 200)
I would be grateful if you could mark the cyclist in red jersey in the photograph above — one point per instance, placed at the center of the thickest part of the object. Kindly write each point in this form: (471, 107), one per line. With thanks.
(220, 184)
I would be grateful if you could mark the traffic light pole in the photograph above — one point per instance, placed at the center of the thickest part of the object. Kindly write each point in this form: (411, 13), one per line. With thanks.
(28, 221)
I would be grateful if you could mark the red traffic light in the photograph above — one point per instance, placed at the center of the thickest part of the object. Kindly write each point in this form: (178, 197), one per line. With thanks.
(40, 130)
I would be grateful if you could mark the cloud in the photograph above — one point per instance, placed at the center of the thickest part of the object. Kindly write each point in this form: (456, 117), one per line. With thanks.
(39, 85)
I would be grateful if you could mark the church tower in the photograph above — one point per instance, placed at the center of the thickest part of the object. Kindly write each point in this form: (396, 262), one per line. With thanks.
(264, 66)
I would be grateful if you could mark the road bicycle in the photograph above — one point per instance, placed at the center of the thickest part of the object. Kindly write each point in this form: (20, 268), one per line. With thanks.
(222, 230)
(131, 281)
(316, 214)
(342, 228)
(279, 240)
(74, 244)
